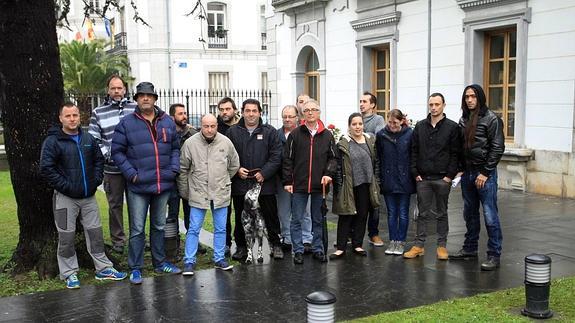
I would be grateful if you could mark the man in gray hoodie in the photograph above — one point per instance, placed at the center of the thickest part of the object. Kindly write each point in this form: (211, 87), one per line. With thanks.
(372, 123)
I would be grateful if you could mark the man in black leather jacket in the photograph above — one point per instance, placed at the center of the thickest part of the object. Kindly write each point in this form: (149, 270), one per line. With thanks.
(484, 144)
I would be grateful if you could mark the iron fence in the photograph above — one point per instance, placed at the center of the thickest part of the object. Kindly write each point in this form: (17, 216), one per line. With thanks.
(198, 102)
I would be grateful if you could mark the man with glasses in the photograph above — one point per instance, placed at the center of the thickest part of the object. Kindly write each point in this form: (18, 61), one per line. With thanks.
(309, 163)
(102, 123)
(290, 123)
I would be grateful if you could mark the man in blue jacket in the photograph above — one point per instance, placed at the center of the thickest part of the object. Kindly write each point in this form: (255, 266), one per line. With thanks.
(146, 149)
(71, 162)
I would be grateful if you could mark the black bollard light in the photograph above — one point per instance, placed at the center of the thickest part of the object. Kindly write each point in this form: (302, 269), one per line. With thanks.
(171, 238)
(320, 307)
(537, 284)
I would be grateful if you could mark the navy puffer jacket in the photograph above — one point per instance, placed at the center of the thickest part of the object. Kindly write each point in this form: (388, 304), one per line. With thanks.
(393, 151)
(73, 169)
(148, 150)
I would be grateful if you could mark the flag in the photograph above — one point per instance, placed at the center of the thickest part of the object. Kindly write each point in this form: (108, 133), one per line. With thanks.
(91, 33)
(108, 26)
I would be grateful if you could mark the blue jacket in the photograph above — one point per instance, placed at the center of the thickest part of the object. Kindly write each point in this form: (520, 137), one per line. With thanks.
(262, 149)
(393, 151)
(148, 150)
(73, 169)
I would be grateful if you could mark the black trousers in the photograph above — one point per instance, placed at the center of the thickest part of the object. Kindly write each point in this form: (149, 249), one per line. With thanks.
(355, 222)
(269, 210)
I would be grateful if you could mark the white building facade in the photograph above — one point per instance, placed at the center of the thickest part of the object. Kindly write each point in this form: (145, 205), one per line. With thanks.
(522, 52)
(180, 51)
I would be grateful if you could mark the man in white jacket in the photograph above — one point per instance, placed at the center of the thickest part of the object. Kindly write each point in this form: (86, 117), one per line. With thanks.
(208, 161)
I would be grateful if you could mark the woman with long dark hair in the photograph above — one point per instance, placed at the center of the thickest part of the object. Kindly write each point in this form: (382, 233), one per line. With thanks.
(356, 189)
(393, 150)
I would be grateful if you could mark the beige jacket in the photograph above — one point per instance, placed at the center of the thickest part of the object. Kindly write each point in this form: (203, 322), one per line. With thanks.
(206, 171)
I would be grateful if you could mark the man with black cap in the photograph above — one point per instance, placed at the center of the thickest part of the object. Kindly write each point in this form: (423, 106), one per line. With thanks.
(146, 149)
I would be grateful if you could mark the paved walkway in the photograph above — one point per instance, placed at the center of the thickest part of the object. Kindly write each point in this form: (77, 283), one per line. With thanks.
(275, 291)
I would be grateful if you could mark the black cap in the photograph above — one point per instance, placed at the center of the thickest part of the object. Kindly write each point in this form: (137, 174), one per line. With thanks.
(145, 88)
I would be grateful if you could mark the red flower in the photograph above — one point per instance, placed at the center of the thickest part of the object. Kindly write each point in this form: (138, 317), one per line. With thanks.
(331, 126)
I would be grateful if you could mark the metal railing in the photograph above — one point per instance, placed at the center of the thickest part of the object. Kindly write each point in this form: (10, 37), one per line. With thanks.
(218, 39)
(197, 101)
(120, 45)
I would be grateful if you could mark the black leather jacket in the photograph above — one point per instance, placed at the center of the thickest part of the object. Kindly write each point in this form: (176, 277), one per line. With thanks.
(489, 143)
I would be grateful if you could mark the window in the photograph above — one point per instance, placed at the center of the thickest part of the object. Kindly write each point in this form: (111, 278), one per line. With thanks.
(216, 18)
(311, 76)
(380, 79)
(264, 81)
(217, 83)
(94, 5)
(499, 76)
(263, 27)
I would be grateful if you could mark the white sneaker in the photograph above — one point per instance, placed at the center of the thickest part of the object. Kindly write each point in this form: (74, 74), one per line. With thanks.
(391, 249)
(399, 248)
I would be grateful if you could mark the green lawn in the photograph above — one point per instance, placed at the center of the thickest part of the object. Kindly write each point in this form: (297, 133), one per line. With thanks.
(501, 306)
(29, 282)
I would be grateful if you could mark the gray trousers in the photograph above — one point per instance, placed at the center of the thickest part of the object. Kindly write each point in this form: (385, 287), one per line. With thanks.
(115, 187)
(429, 191)
(66, 211)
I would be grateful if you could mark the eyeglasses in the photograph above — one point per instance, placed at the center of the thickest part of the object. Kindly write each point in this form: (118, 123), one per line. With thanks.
(310, 110)
(289, 117)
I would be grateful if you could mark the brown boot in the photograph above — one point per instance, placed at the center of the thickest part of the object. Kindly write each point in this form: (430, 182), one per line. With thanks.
(415, 251)
(442, 253)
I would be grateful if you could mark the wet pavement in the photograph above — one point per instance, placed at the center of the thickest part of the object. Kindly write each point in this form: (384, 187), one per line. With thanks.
(275, 290)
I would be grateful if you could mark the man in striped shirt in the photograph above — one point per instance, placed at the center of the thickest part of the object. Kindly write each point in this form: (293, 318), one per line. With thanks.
(102, 123)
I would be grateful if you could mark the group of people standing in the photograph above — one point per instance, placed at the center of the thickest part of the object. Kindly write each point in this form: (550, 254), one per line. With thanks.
(157, 159)
(429, 160)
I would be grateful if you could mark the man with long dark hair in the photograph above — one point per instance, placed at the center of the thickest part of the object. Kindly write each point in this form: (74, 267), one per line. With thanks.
(483, 147)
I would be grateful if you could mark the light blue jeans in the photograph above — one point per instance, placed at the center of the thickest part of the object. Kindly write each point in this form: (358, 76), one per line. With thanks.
(285, 213)
(299, 202)
(193, 235)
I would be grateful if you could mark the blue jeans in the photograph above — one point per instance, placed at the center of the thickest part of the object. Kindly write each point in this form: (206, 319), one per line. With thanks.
(488, 198)
(284, 215)
(138, 206)
(299, 202)
(193, 235)
(397, 215)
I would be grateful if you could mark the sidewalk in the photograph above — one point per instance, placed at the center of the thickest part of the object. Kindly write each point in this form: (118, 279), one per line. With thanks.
(275, 291)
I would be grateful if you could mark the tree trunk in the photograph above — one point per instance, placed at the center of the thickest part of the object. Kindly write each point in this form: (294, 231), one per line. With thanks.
(31, 90)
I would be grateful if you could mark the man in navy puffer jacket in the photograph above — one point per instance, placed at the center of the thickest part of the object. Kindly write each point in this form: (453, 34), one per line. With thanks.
(146, 149)
(71, 162)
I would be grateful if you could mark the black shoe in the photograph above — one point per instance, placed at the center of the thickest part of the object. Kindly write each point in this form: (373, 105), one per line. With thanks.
(463, 255)
(201, 249)
(241, 253)
(298, 258)
(307, 249)
(335, 256)
(319, 256)
(362, 253)
(286, 247)
(118, 248)
(490, 264)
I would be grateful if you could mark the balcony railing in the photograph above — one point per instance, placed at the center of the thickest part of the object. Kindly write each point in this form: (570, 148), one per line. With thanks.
(120, 45)
(264, 41)
(218, 39)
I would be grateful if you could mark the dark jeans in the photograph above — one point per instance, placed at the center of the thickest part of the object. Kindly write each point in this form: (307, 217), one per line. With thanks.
(488, 198)
(174, 209)
(427, 192)
(229, 226)
(397, 215)
(269, 210)
(356, 222)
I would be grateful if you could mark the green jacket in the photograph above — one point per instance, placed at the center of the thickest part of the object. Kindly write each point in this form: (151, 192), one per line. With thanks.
(343, 200)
